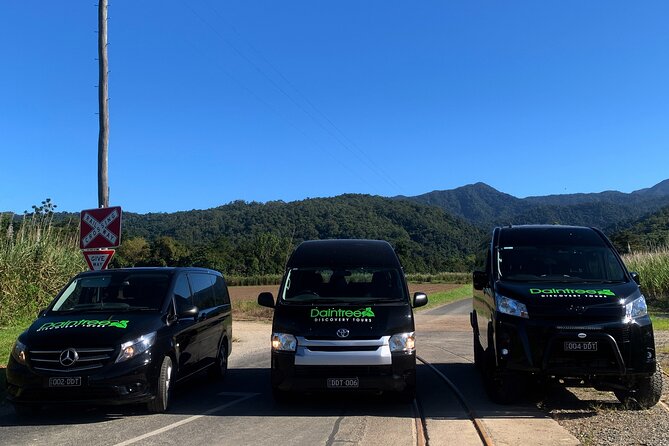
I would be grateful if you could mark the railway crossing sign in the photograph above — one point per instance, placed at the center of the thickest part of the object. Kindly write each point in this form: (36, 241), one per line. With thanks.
(100, 228)
(98, 259)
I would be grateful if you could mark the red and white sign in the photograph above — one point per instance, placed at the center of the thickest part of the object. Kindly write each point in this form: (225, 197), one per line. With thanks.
(100, 228)
(98, 259)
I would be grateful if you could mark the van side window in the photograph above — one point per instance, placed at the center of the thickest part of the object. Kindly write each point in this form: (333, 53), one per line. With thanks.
(221, 292)
(182, 295)
(203, 290)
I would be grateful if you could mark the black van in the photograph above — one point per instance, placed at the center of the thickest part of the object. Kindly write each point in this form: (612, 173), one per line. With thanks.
(556, 303)
(343, 321)
(122, 336)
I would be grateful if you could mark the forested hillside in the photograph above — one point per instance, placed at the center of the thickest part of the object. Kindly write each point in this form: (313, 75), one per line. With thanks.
(256, 238)
(645, 234)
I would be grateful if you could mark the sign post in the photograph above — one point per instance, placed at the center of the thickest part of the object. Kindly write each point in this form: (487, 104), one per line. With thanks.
(99, 230)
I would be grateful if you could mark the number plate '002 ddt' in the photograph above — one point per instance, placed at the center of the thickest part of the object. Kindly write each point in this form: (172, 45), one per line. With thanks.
(343, 383)
(580, 346)
(72, 381)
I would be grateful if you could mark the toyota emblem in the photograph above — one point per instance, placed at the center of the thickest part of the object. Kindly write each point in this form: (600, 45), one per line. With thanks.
(343, 333)
(68, 357)
(582, 335)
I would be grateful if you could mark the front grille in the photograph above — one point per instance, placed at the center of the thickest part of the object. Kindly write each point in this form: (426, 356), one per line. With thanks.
(342, 371)
(343, 348)
(88, 359)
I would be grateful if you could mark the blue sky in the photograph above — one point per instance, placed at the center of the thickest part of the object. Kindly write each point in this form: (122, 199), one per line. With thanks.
(214, 101)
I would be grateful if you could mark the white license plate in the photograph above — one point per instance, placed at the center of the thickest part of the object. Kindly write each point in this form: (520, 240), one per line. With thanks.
(343, 383)
(580, 346)
(70, 381)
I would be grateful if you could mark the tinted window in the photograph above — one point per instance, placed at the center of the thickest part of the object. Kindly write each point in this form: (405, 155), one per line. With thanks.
(343, 284)
(182, 295)
(221, 291)
(203, 290)
(556, 254)
(115, 290)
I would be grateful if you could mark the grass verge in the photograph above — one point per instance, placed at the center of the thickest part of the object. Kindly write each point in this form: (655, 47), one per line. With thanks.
(660, 320)
(7, 337)
(446, 297)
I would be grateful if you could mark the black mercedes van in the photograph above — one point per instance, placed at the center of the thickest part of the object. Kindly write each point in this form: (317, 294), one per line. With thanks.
(343, 321)
(556, 303)
(122, 336)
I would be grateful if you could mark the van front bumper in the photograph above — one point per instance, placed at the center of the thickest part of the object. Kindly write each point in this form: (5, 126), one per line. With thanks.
(395, 377)
(545, 347)
(122, 383)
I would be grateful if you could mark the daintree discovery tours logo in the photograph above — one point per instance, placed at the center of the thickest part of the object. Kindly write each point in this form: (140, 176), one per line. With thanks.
(86, 323)
(341, 315)
(569, 292)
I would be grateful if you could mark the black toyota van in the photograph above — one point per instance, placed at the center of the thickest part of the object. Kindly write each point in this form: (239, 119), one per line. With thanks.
(122, 336)
(556, 303)
(343, 321)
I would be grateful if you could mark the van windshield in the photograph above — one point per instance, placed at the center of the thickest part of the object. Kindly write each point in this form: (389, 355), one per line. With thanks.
(114, 291)
(352, 284)
(555, 263)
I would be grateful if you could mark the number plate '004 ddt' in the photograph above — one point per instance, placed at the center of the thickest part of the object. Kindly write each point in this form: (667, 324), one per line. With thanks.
(343, 383)
(580, 346)
(72, 381)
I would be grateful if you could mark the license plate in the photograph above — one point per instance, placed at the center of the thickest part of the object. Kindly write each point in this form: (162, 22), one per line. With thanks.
(580, 346)
(71, 381)
(343, 383)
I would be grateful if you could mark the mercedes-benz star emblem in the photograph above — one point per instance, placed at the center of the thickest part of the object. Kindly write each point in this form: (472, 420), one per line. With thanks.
(68, 357)
(342, 333)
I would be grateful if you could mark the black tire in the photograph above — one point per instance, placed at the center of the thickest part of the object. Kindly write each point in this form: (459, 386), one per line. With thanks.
(501, 387)
(219, 369)
(26, 410)
(281, 396)
(163, 388)
(479, 354)
(646, 392)
(406, 396)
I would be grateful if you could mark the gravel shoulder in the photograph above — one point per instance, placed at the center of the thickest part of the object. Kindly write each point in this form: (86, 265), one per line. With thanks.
(597, 418)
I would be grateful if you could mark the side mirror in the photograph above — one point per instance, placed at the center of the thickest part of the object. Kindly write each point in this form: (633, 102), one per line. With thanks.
(419, 299)
(480, 279)
(635, 277)
(266, 299)
(190, 311)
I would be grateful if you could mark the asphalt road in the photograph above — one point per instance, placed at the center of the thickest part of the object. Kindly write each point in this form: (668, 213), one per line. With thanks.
(240, 410)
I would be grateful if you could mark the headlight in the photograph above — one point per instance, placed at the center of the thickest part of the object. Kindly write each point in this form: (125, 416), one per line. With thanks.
(19, 352)
(283, 342)
(509, 306)
(136, 347)
(403, 342)
(636, 308)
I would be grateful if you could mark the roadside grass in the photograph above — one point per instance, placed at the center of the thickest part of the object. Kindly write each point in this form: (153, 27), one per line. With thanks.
(660, 320)
(445, 297)
(7, 337)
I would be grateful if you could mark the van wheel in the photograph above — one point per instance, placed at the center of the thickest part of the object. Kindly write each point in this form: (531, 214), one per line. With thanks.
(407, 395)
(281, 396)
(645, 394)
(501, 387)
(219, 369)
(479, 354)
(163, 388)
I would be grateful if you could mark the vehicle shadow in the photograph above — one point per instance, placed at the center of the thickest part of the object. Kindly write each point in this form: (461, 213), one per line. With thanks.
(247, 392)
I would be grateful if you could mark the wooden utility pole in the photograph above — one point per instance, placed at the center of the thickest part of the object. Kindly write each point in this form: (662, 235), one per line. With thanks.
(103, 136)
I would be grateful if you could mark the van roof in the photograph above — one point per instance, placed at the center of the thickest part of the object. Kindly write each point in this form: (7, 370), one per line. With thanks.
(342, 253)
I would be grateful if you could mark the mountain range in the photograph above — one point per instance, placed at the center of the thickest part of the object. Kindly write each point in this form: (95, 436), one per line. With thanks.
(485, 206)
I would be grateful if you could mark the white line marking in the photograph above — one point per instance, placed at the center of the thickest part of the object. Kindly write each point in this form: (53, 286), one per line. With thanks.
(242, 397)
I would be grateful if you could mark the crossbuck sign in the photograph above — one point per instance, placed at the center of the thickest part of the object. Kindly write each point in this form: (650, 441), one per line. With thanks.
(100, 228)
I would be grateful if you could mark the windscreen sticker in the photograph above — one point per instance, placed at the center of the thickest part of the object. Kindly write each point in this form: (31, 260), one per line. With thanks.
(365, 315)
(86, 323)
(569, 292)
